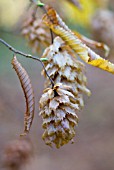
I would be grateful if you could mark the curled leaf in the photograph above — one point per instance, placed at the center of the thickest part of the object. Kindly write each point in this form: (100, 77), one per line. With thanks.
(28, 92)
(53, 21)
(90, 43)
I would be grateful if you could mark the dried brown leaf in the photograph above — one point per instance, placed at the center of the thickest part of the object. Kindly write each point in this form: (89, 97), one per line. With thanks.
(28, 92)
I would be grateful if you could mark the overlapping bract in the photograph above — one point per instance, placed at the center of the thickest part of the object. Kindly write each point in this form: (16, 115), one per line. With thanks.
(59, 105)
(53, 21)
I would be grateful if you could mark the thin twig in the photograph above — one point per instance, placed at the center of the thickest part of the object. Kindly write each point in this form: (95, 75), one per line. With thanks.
(51, 36)
(52, 82)
(27, 56)
(35, 12)
(45, 11)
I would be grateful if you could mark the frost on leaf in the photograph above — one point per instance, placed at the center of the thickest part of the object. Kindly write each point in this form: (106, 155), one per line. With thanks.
(53, 21)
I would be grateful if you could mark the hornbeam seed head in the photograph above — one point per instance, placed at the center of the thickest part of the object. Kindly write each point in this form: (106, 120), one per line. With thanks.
(59, 115)
(59, 105)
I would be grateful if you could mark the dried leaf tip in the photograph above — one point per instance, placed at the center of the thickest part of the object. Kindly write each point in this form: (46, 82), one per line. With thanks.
(28, 93)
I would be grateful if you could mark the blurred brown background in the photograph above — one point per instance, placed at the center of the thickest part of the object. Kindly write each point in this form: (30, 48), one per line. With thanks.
(94, 143)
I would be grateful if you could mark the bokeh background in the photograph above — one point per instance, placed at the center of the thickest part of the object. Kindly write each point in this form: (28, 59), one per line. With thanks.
(94, 142)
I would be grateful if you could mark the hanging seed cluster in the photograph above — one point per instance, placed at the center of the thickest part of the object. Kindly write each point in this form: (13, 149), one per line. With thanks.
(59, 105)
(35, 32)
(59, 114)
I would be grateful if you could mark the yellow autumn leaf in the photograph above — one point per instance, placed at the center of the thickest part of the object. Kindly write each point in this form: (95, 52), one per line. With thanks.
(53, 21)
(103, 64)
